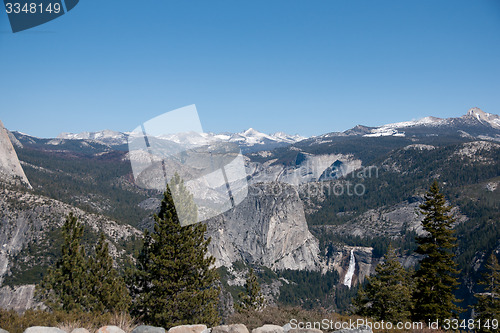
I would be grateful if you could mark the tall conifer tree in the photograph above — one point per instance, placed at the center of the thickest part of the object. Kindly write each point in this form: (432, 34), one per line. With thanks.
(436, 278)
(76, 283)
(107, 286)
(175, 281)
(66, 285)
(252, 298)
(387, 294)
(488, 305)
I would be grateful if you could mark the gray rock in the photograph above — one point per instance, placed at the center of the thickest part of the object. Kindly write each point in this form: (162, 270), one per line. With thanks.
(287, 327)
(361, 329)
(80, 330)
(269, 329)
(3, 331)
(236, 328)
(18, 298)
(10, 167)
(27, 218)
(188, 329)
(305, 330)
(110, 329)
(267, 228)
(42, 329)
(148, 329)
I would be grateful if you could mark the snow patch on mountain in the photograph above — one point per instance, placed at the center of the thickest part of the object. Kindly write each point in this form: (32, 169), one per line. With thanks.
(384, 132)
(105, 134)
(394, 128)
(474, 117)
(248, 138)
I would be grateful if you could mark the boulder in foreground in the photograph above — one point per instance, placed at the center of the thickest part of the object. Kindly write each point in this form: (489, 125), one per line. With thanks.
(305, 330)
(80, 330)
(110, 329)
(355, 330)
(43, 329)
(269, 329)
(236, 328)
(148, 329)
(188, 329)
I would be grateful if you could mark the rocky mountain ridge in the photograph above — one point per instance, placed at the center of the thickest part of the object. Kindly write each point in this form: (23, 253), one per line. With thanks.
(475, 123)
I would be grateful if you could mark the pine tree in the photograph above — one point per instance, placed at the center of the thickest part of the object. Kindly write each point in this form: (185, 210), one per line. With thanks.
(252, 298)
(106, 284)
(436, 277)
(185, 207)
(387, 294)
(488, 305)
(66, 286)
(174, 282)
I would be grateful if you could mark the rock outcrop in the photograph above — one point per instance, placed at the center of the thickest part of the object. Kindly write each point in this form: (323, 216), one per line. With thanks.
(307, 168)
(10, 168)
(268, 228)
(28, 218)
(18, 298)
(29, 221)
(387, 221)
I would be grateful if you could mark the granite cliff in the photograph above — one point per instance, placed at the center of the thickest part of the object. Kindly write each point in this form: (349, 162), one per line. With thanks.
(268, 228)
(10, 168)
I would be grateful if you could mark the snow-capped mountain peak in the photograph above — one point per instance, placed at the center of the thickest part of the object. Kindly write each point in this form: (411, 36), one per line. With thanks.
(483, 117)
(252, 137)
(477, 113)
(252, 132)
(287, 137)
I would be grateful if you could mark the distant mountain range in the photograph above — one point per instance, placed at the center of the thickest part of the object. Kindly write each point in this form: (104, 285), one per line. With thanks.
(476, 123)
(249, 140)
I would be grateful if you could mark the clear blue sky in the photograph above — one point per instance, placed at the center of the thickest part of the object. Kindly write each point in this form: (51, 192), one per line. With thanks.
(307, 67)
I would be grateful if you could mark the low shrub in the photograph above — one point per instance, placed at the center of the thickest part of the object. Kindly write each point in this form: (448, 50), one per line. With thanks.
(17, 323)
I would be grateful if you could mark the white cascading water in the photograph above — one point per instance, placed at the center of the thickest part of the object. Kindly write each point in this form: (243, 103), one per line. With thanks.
(350, 270)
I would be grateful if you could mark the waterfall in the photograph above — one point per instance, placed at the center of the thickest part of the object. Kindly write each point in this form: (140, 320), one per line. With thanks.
(350, 270)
